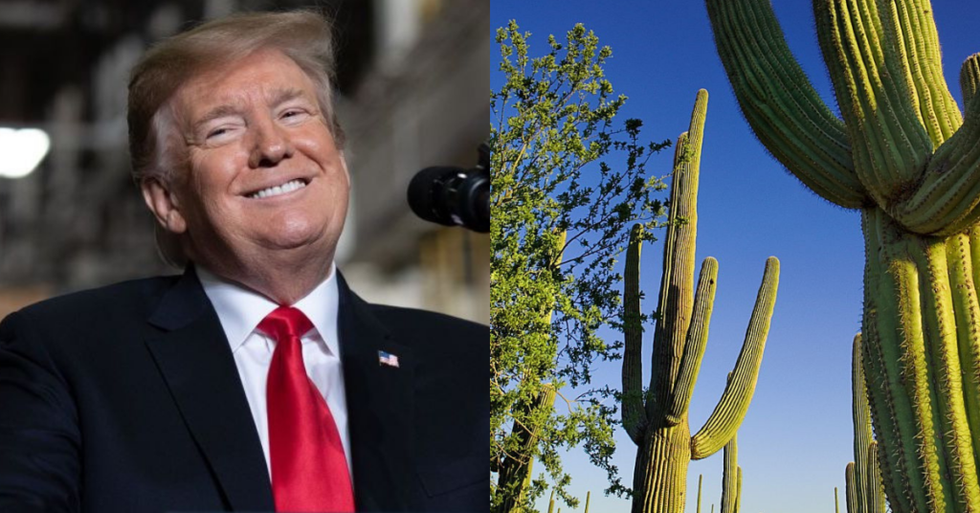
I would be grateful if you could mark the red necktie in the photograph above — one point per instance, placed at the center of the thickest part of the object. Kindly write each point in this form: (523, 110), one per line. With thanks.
(309, 469)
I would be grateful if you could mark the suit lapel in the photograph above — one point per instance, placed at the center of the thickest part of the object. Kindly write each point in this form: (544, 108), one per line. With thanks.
(380, 408)
(194, 357)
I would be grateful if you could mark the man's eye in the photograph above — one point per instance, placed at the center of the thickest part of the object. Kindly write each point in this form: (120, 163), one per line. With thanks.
(221, 133)
(293, 115)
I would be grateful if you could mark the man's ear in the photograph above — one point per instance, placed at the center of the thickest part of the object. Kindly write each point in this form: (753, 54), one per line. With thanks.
(164, 205)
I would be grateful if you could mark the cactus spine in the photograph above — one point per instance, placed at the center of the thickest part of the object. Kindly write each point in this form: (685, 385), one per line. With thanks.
(658, 421)
(862, 476)
(909, 161)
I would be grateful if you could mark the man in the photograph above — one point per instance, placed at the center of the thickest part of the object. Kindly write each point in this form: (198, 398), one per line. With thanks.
(257, 380)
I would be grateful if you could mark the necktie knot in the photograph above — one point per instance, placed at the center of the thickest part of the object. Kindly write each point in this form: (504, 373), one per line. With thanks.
(284, 323)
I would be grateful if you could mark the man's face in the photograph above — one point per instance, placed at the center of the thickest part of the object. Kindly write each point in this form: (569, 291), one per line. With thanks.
(263, 173)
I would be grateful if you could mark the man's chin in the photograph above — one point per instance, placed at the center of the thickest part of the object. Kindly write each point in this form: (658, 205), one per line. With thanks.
(288, 242)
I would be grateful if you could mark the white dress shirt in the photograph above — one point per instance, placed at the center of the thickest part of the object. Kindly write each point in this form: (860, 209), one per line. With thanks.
(240, 310)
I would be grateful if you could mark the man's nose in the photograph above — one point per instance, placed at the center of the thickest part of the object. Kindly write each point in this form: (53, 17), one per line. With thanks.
(270, 144)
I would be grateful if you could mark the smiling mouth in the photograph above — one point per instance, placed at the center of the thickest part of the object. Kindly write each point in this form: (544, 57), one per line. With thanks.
(290, 186)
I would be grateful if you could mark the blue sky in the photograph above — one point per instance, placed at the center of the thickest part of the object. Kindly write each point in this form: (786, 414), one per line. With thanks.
(796, 439)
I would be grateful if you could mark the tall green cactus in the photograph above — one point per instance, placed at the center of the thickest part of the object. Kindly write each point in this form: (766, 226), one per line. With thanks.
(658, 420)
(700, 479)
(731, 479)
(862, 476)
(910, 162)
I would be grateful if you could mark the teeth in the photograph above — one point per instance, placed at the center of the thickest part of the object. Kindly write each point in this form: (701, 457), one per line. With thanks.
(278, 189)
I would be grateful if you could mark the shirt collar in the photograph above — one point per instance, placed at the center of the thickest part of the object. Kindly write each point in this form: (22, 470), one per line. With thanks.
(241, 309)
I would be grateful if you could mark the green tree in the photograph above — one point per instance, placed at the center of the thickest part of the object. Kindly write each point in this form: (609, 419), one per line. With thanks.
(561, 214)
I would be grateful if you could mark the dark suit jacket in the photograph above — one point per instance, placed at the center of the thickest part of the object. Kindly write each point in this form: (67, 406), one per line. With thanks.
(127, 399)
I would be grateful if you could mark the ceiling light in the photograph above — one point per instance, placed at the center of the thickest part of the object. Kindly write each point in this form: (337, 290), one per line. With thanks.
(22, 151)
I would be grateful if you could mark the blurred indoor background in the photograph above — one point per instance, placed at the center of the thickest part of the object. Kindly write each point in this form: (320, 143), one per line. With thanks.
(412, 81)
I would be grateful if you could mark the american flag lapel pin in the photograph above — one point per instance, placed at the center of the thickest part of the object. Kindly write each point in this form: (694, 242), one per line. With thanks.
(385, 358)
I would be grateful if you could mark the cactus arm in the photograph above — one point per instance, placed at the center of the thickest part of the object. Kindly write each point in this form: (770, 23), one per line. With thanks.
(673, 289)
(734, 402)
(851, 489)
(729, 477)
(677, 282)
(910, 26)
(912, 47)
(697, 339)
(780, 104)
(634, 418)
(970, 78)
(890, 146)
(948, 201)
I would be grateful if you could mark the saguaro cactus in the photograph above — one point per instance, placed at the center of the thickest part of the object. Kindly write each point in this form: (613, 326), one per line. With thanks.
(700, 479)
(658, 420)
(731, 479)
(910, 162)
(862, 476)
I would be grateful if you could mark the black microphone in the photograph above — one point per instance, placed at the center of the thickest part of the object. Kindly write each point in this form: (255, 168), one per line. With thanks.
(454, 196)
